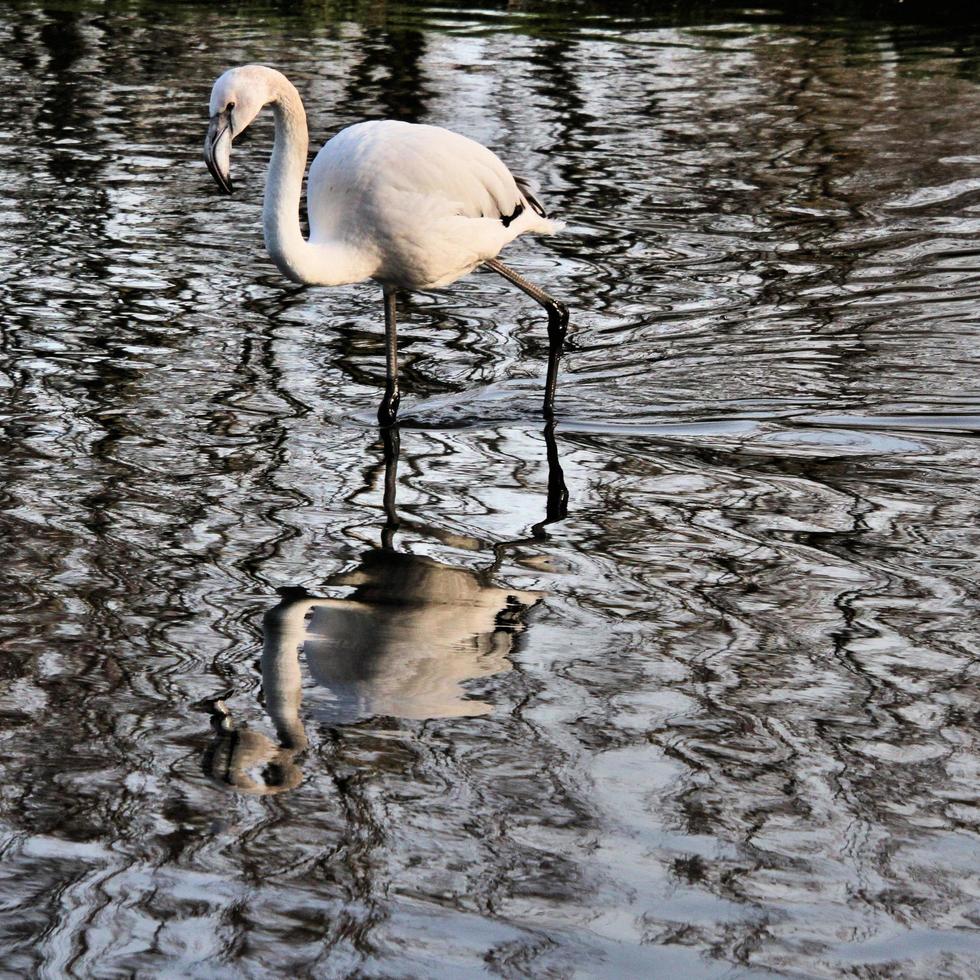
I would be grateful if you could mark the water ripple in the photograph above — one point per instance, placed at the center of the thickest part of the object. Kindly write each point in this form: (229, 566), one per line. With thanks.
(684, 686)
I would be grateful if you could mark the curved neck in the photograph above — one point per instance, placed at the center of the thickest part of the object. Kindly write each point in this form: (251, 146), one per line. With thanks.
(312, 263)
(284, 184)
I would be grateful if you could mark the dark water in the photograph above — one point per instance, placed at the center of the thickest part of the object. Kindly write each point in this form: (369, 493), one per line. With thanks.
(720, 720)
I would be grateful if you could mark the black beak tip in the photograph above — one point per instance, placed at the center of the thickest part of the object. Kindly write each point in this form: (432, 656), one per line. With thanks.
(222, 180)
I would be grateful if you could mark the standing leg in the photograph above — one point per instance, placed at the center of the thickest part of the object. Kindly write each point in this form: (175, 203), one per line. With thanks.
(557, 327)
(388, 409)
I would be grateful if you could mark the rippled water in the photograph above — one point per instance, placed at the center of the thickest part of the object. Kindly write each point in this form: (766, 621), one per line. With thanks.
(719, 720)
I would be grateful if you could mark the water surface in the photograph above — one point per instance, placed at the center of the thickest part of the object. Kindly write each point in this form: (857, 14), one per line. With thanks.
(719, 720)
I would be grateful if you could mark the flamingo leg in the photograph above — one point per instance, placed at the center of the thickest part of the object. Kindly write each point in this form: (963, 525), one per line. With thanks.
(557, 327)
(388, 409)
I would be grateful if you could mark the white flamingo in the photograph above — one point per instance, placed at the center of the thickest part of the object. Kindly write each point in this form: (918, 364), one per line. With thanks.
(410, 206)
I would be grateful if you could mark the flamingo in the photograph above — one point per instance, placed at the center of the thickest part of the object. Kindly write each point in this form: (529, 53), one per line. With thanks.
(410, 206)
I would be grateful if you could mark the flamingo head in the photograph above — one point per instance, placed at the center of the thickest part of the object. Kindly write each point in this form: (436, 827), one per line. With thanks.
(236, 98)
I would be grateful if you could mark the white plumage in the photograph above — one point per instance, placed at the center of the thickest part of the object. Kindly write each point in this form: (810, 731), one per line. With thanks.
(426, 204)
(408, 205)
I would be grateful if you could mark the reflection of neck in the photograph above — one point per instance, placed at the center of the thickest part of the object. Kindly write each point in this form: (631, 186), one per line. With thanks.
(281, 678)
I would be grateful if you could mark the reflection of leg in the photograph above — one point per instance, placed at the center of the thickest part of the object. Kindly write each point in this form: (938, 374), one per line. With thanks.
(391, 440)
(557, 491)
(388, 409)
(557, 327)
(556, 508)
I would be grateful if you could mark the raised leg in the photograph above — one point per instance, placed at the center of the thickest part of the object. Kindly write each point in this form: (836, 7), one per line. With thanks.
(388, 409)
(557, 327)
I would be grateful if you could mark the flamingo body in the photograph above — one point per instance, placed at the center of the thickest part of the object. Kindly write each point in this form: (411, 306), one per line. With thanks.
(427, 204)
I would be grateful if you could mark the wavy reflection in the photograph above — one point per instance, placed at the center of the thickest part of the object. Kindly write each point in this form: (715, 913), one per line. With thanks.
(402, 643)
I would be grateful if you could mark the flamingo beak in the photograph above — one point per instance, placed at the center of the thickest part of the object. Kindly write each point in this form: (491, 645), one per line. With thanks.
(217, 149)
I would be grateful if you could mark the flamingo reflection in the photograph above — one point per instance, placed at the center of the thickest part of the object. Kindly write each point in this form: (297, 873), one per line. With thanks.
(400, 644)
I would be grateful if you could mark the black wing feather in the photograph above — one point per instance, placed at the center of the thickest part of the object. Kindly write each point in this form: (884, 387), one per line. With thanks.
(525, 189)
